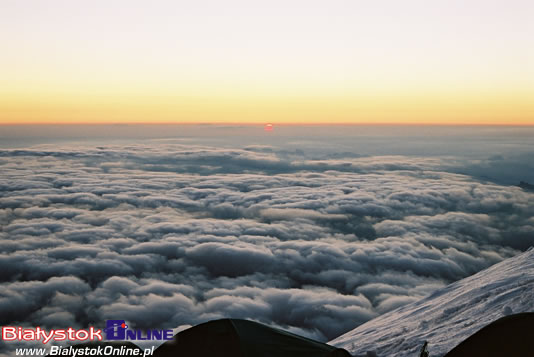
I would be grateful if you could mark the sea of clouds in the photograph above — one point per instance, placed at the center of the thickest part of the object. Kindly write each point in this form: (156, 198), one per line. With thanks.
(164, 234)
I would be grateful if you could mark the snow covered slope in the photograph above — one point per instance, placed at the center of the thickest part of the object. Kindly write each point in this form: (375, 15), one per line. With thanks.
(449, 315)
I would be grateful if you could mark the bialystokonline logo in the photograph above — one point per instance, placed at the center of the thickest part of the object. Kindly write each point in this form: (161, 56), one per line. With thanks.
(116, 330)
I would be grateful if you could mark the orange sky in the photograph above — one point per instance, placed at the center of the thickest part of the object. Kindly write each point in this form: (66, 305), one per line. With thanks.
(283, 62)
(397, 108)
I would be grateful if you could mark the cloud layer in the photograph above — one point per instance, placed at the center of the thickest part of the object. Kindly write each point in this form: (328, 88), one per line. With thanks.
(170, 235)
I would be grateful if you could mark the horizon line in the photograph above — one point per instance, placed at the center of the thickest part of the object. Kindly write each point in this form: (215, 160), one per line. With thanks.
(263, 124)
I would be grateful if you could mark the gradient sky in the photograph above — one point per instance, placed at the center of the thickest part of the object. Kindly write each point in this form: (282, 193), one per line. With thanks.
(454, 62)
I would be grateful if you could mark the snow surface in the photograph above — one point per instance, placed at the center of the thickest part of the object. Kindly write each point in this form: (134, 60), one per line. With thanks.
(449, 315)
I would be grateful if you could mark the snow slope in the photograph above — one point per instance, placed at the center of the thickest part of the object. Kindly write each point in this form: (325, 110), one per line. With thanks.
(449, 315)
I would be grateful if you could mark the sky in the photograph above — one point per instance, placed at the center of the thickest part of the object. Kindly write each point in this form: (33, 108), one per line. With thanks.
(403, 62)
